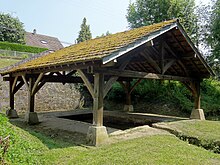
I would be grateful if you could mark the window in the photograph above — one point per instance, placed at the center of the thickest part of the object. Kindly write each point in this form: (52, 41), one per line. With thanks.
(43, 42)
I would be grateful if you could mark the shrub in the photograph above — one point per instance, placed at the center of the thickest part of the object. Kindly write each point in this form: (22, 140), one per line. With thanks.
(20, 48)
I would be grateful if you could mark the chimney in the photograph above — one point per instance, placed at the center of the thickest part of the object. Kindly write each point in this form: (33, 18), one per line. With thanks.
(34, 31)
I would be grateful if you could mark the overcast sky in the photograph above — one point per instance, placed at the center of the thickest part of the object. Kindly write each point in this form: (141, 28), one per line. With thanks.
(62, 19)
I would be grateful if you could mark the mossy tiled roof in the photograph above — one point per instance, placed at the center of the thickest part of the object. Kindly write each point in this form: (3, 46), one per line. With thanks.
(93, 49)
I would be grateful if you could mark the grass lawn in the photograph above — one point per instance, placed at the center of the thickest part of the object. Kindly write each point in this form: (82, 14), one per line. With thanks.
(7, 62)
(158, 149)
(37, 148)
(204, 130)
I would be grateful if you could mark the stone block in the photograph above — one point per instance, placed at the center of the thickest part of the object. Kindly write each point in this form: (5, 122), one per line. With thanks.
(11, 114)
(97, 135)
(128, 108)
(197, 114)
(31, 118)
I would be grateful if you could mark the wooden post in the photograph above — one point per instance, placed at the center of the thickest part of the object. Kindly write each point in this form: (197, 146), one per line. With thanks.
(31, 116)
(197, 112)
(98, 100)
(128, 94)
(11, 95)
(97, 133)
(31, 96)
(11, 113)
(197, 96)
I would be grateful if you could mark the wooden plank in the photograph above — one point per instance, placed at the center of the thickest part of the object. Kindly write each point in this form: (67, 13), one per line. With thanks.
(144, 75)
(87, 82)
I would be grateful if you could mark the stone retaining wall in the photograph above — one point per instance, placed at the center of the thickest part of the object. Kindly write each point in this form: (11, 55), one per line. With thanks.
(52, 96)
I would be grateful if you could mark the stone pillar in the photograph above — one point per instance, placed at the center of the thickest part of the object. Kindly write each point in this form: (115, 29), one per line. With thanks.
(97, 133)
(11, 113)
(31, 116)
(197, 112)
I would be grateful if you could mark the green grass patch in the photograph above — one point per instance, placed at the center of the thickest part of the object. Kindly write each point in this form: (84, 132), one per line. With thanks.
(160, 149)
(201, 133)
(23, 148)
(20, 47)
(7, 62)
(35, 146)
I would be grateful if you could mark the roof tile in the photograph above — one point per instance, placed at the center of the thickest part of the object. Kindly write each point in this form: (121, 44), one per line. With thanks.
(93, 49)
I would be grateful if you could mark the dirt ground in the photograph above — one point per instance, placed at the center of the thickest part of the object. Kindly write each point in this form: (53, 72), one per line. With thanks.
(74, 132)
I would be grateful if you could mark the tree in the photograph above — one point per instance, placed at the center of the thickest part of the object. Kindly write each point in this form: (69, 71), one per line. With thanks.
(214, 37)
(84, 33)
(104, 34)
(11, 29)
(147, 12)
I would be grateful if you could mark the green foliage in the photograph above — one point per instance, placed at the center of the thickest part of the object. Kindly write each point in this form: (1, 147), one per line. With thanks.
(11, 29)
(84, 33)
(146, 12)
(174, 93)
(214, 37)
(20, 48)
(210, 97)
(104, 34)
(7, 62)
(23, 148)
(155, 91)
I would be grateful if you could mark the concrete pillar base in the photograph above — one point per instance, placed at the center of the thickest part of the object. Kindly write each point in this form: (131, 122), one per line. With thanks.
(97, 135)
(128, 108)
(197, 114)
(11, 114)
(31, 118)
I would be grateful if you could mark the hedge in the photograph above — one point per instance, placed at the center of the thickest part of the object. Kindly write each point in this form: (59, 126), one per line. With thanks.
(21, 48)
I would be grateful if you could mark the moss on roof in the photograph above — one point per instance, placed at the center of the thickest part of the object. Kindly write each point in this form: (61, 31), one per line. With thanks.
(93, 49)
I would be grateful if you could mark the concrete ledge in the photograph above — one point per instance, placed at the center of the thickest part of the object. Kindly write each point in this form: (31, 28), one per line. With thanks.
(197, 114)
(128, 108)
(97, 135)
(11, 114)
(31, 118)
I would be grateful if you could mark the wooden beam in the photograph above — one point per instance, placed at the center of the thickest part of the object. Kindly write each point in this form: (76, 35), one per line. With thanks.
(39, 86)
(17, 87)
(168, 65)
(36, 82)
(151, 62)
(87, 82)
(144, 75)
(170, 50)
(135, 84)
(162, 52)
(113, 79)
(25, 81)
(14, 83)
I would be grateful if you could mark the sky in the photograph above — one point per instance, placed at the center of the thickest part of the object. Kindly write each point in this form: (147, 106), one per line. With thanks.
(62, 19)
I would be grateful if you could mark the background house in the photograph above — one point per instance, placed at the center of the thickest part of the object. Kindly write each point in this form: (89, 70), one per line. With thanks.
(42, 41)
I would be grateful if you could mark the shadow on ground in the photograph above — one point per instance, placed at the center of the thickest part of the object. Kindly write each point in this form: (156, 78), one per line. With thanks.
(52, 138)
